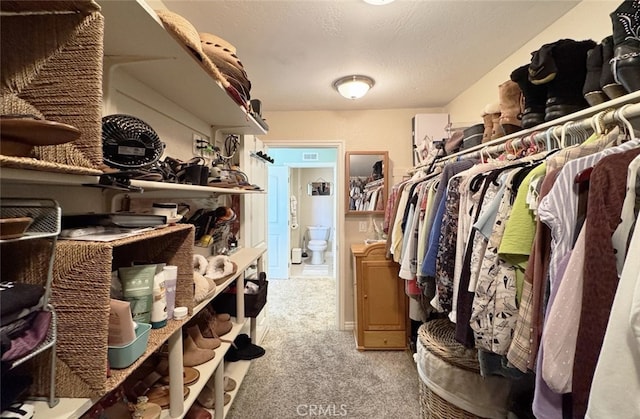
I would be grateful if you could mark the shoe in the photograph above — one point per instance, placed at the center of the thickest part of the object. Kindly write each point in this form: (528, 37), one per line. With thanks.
(161, 397)
(564, 94)
(190, 376)
(625, 64)
(201, 341)
(194, 355)
(212, 325)
(243, 349)
(144, 409)
(491, 112)
(535, 97)
(591, 90)
(196, 411)
(608, 82)
(511, 98)
(207, 396)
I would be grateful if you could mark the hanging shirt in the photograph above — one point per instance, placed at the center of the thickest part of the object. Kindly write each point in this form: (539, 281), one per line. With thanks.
(606, 195)
(615, 385)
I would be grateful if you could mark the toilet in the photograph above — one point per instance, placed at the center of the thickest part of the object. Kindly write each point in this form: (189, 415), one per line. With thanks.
(318, 236)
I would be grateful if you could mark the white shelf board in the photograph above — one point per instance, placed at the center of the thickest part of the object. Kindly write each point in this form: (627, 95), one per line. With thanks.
(22, 176)
(65, 409)
(149, 186)
(206, 371)
(158, 60)
(236, 370)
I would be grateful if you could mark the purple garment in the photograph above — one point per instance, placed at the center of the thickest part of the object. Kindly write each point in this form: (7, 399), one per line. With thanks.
(28, 341)
(546, 403)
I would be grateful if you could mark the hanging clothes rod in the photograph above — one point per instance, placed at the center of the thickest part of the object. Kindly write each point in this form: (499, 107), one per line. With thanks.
(582, 120)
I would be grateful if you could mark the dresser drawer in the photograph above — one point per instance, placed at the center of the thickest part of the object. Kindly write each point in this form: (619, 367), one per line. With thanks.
(385, 340)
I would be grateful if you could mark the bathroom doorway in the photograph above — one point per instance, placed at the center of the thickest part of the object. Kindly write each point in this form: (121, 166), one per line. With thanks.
(305, 188)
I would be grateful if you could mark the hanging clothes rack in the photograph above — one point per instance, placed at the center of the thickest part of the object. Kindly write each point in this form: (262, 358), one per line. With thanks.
(610, 113)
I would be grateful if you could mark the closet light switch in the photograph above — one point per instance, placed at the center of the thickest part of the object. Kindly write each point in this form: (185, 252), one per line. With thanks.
(362, 227)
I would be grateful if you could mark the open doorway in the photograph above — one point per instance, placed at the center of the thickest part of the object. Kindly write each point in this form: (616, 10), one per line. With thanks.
(304, 228)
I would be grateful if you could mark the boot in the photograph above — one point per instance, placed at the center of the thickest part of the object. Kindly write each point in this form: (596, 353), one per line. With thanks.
(201, 341)
(535, 97)
(626, 42)
(510, 107)
(591, 90)
(565, 90)
(194, 355)
(491, 112)
(608, 83)
(496, 128)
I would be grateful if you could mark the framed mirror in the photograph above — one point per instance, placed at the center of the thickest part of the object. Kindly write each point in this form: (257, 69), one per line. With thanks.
(367, 181)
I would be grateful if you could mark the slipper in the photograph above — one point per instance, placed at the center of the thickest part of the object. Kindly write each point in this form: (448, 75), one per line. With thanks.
(161, 397)
(189, 375)
(20, 411)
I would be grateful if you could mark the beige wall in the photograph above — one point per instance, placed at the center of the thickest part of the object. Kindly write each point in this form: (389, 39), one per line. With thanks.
(588, 20)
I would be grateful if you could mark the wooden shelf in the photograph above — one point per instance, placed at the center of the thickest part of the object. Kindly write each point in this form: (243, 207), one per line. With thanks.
(162, 63)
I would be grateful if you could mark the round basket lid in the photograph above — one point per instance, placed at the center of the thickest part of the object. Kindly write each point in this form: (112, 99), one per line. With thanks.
(129, 142)
(438, 337)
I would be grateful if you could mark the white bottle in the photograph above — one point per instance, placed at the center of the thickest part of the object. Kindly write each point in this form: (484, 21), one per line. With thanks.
(159, 310)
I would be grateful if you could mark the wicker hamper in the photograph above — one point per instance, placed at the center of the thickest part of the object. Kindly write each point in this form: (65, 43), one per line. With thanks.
(81, 296)
(51, 65)
(451, 386)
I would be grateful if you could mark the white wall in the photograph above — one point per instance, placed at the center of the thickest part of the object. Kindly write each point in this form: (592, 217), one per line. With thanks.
(588, 20)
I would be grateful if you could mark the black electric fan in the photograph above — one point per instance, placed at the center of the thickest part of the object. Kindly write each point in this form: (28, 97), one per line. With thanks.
(129, 142)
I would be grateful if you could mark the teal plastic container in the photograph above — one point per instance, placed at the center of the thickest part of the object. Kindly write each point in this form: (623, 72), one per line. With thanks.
(123, 356)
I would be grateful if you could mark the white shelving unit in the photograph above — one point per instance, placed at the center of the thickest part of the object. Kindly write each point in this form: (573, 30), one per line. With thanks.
(136, 40)
(137, 43)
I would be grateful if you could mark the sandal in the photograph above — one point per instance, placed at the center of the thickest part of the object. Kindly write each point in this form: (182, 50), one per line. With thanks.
(160, 395)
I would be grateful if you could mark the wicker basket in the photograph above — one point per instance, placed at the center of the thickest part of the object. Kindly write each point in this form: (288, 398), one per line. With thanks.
(438, 337)
(433, 406)
(81, 296)
(59, 80)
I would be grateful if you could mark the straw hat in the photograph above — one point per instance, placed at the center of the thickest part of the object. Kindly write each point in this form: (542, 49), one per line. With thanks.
(187, 34)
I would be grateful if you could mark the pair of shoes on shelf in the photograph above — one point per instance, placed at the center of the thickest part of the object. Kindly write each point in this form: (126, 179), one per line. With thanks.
(144, 409)
(243, 349)
(207, 396)
(197, 349)
(161, 395)
(214, 325)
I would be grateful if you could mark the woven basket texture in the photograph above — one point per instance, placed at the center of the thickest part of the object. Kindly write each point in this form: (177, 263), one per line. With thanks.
(433, 406)
(59, 73)
(81, 297)
(438, 336)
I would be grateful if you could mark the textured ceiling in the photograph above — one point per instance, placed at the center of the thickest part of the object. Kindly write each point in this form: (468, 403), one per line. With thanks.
(420, 53)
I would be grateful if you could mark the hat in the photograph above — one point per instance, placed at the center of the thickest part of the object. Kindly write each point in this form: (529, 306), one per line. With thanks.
(223, 55)
(186, 33)
(472, 136)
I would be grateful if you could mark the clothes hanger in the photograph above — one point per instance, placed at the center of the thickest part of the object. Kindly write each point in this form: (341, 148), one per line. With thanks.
(621, 117)
(563, 134)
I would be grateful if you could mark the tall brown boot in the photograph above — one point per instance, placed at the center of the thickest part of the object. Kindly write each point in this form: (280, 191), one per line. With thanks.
(511, 100)
(491, 112)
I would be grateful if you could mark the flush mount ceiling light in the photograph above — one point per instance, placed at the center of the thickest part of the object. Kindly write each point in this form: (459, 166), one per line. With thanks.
(353, 87)
(378, 2)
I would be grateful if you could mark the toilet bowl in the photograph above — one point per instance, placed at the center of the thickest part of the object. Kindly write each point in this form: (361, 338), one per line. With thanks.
(318, 236)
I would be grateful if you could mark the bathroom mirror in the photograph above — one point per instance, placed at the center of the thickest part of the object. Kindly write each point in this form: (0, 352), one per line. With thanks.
(366, 181)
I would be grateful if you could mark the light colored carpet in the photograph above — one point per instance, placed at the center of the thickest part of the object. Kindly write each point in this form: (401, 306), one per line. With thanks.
(312, 369)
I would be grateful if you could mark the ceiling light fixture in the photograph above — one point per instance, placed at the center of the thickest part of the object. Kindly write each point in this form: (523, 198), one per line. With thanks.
(378, 2)
(353, 87)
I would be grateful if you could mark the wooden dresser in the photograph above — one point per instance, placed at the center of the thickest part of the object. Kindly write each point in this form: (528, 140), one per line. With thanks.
(380, 302)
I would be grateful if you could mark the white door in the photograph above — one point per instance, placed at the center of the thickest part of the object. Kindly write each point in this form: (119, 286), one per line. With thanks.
(278, 222)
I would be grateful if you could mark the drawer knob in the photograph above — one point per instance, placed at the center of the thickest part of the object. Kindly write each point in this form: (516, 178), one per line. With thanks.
(365, 296)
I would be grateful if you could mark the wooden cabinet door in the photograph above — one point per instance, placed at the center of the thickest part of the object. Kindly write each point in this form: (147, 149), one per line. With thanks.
(382, 296)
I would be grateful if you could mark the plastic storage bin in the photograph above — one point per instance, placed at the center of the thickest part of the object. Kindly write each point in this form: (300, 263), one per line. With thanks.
(123, 356)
